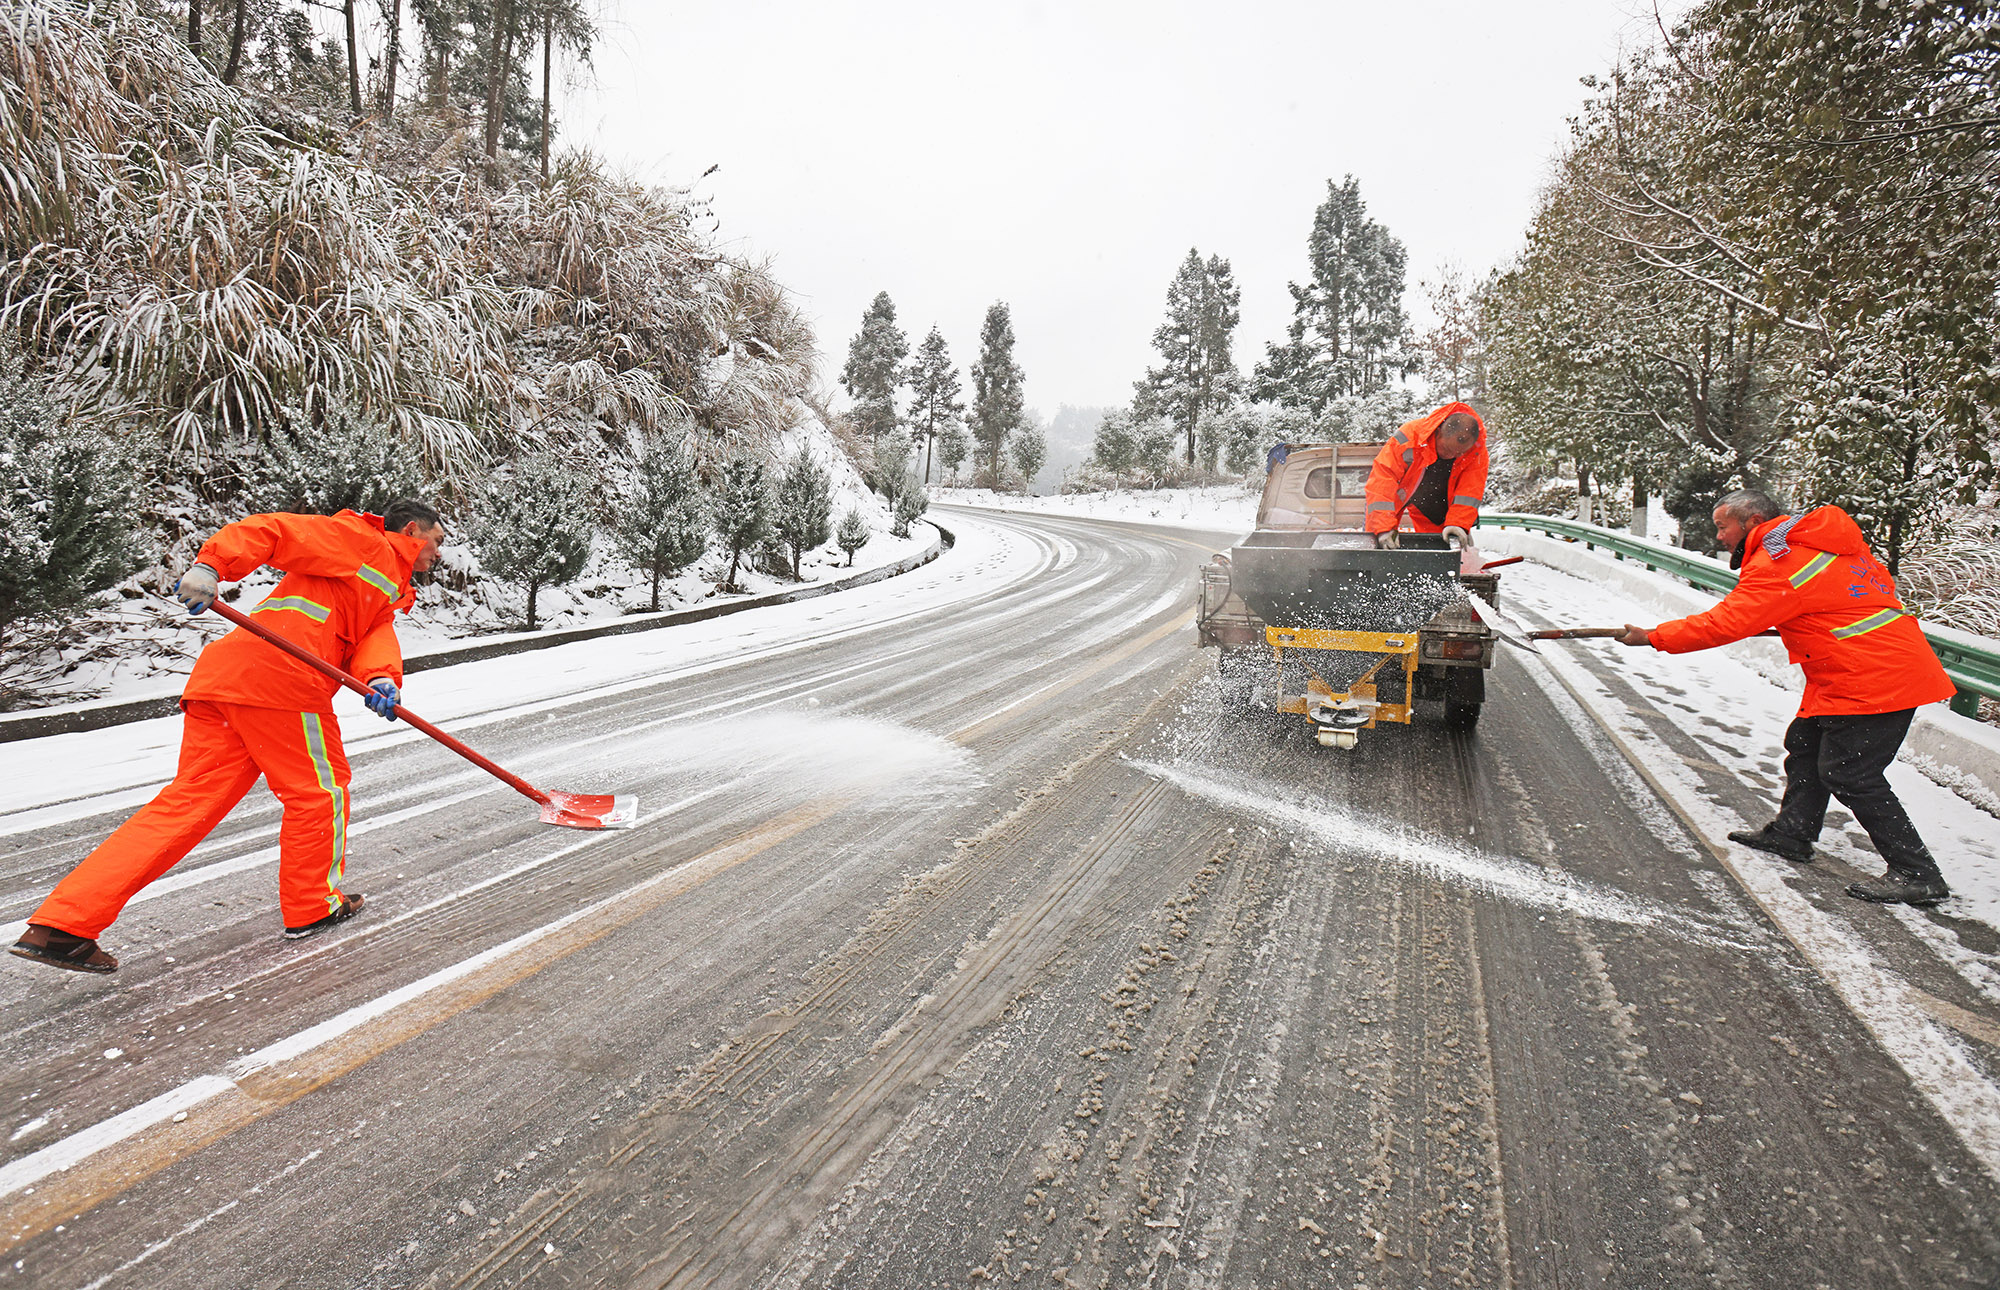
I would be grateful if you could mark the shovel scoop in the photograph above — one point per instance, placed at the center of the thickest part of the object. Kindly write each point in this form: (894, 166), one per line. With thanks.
(569, 810)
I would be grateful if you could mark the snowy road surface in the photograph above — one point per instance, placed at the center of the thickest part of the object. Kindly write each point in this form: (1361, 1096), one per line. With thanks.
(966, 938)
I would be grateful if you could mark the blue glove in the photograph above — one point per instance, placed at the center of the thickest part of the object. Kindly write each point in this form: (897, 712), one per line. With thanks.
(197, 588)
(383, 702)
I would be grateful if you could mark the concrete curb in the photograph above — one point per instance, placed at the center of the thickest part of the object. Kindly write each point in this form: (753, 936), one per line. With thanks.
(1958, 752)
(100, 713)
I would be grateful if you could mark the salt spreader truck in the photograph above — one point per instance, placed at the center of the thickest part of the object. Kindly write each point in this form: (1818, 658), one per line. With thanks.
(1309, 611)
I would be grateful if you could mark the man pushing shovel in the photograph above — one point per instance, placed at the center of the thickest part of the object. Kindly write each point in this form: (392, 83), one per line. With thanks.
(1868, 668)
(250, 711)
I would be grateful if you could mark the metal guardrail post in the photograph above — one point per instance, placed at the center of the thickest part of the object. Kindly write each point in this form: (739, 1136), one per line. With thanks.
(1972, 662)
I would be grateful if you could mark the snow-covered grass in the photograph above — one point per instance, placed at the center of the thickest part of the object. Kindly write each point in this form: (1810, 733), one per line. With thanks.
(1223, 507)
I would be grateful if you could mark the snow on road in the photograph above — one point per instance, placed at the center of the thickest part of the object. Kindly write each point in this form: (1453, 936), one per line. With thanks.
(1732, 709)
(45, 781)
(1224, 507)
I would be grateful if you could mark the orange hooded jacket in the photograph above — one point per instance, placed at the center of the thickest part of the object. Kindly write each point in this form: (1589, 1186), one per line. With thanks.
(1404, 459)
(344, 581)
(1812, 577)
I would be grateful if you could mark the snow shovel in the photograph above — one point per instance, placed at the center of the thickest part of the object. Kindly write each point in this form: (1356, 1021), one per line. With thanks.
(1504, 626)
(571, 810)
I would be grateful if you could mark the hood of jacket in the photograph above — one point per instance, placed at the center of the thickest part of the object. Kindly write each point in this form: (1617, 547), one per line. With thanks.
(1425, 427)
(1824, 528)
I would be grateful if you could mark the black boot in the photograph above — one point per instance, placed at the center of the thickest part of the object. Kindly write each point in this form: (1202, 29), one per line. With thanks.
(1895, 887)
(1796, 850)
(63, 950)
(350, 905)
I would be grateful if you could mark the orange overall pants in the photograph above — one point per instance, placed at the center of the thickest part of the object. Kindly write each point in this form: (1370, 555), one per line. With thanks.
(224, 748)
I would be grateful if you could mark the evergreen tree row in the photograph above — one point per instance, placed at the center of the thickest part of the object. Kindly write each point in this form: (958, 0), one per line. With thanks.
(921, 403)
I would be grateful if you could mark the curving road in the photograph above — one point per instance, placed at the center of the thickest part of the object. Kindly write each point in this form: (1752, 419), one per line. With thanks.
(965, 938)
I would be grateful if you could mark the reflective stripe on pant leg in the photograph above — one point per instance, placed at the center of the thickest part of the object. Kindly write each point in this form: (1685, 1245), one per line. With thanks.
(315, 734)
(302, 759)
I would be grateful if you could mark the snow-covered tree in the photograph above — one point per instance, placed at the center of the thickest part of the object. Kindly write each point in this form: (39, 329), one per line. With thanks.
(853, 533)
(874, 369)
(341, 460)
(1453, 359)
(1115, 446)
(1197, 374)
(911, 503)
(996, 387)
(66, 503)
(802, 513)
(937, 414)
(742, 509)
(532, 524)
(662, 522)
(1348, 333)
(953, 447)
(1029, 448)
(1156, 442)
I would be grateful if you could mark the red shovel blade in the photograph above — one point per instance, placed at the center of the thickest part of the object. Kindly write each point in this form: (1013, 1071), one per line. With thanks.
(590, 810)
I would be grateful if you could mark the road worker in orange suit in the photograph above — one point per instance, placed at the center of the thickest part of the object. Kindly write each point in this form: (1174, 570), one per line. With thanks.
(1868, 669)
(249, 711)
(1432, 470)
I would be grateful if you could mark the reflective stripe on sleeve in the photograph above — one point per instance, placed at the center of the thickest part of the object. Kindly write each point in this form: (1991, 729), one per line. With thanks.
(1812, 569)
(1466, 499)
(1880, 618)
(1381, 506)
(376, 579)
(298, 604)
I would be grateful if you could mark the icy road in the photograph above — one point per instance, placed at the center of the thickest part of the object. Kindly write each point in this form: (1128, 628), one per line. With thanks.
(967, 939)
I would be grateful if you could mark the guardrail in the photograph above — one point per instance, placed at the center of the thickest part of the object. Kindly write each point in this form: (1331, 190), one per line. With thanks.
(1972, 662)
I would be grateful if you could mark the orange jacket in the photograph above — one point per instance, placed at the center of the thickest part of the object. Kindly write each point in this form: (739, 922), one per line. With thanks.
(344, 581)
(1403, 461)
(1813, 579)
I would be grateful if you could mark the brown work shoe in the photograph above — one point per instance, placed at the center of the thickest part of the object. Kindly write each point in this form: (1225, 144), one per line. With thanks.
(350, 905)
(63, 950)
(1896, 887)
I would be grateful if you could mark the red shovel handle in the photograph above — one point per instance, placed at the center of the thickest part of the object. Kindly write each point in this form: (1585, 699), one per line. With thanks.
(332, 673)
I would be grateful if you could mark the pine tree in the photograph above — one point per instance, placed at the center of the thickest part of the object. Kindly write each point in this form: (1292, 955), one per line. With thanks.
(954, 446)
(874, 368)
(1198, 374)
(1115, 447)
(742, 510)
(853, 533)
(66, 503)
(936, 411)
(1154, 444)
(803, 518)
(533, 524)
(1030, 450)
(996, 387)
(345, 461)
(1348, 330)
(910, 503)
(663, 522)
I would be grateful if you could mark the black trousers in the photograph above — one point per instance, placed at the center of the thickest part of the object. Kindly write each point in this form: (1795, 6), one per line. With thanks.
(1845, 757)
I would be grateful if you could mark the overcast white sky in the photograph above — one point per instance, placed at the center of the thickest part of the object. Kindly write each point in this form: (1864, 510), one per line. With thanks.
(1064, 157)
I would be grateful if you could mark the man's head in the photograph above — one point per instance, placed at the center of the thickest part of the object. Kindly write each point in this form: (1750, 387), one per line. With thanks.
(1457, 433)
(416, 519)
(1739, 512)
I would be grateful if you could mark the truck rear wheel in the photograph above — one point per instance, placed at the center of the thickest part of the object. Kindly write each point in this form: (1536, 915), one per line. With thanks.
(1461, 716)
